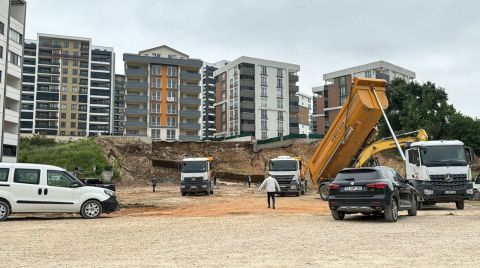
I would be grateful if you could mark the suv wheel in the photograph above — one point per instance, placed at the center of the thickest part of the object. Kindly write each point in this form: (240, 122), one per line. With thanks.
(338, 215)
(324, 192)
(391, 211)
(460, 204)
(91, 209)
(4, 211)
(413, 209)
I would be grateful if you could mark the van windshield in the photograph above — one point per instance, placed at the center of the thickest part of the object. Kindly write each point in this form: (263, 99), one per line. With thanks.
(194, 166)
(283, 165)
(448, 155)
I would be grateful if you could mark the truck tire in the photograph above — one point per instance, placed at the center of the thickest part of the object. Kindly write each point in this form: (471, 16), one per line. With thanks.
(208, 190)
(460, 204)
(184, 194)
(303, 189)
(211, 189)
(4, 210)
(413, 209)
(476, 195)
(324, 192)
(91, 209)
(338, 215)
(391, 211)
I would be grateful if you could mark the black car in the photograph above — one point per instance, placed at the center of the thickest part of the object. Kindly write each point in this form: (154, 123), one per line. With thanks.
(98, 183)
(371, 191)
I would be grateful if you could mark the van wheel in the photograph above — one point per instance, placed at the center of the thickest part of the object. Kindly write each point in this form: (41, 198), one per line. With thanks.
(338, 215)
(460, 204)
(391, 211)
(91, 209)
(4, 211)
(324, 192)
(413, 209)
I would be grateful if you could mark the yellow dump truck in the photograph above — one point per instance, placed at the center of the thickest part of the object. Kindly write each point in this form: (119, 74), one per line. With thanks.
(354, 125)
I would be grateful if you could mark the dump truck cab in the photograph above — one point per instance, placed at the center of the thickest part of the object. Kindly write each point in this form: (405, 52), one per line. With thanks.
(440, 171)
(196, 175)
(289, 173)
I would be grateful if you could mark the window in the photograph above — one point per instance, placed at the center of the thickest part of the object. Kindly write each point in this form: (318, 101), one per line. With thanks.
(263, 81)
(75, 63)
(4, 174)
(73, 124)
(172, 83)
(279, 73)
(368, 74)
(27, 176)
(155, 120)
(64, 88)
(280, 126)
(74, 89)
(156, 83)
(171, 108)
(279, 93)
(64, 106)
(74, 80)
(63, 115)
(1, 52)
(280, 115)
(264, 125)
(171, 121)
(263, 114)
(65, 62)
(59, 179)
(74, 107)
(156, 69)
(279, 83)
(156, 133)
(171, 94)
(413, 156)
(264, 102)
(9, 150)
(13, 58)
(64, 97)
(280, 104)
(171, 70)
(263, 70)
(264, 135)
(76, 45)
(65, 44)
(155, 108)
(170, 134)
(73, 116)
(63, 124)
(75, 71)
(342, 80)
(156, 95)
(64, 79)
(15, 36)
(2, 28)
(263, 92)
(342, 90)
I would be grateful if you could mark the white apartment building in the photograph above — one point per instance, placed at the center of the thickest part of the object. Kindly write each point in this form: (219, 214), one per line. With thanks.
(12, 32)
(256, 97)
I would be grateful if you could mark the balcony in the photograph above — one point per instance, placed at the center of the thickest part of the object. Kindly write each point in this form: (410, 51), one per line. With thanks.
(189, 113)
(247, 127)
(193, 126)
(192, 101)
(135, 72)
(293, 109)
(189, 138)
(293, 119)
(137, 124)
(136, 98)
(136, 85)
(190, 88)
(247, 116)
(294, 130)
(293, 88)
(292, 78)
(190, 76)
(134, 111)
(294, 99)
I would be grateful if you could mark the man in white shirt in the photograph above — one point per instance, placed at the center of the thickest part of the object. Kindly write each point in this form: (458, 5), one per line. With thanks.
(272, 187)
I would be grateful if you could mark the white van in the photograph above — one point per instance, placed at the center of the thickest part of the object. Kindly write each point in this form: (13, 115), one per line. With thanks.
(30, 188)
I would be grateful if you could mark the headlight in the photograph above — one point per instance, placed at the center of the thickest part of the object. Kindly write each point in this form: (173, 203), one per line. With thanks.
(293, 187)
(469, 191)
(426, 191)
(109, 192)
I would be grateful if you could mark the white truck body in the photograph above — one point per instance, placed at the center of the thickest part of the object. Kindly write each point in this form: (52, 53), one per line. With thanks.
(196, 175)
(287, 171)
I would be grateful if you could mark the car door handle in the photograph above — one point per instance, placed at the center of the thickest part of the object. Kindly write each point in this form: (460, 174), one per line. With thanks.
(45, 191)
(39, 191)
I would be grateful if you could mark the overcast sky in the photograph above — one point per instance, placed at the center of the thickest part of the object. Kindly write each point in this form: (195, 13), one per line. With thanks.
(438, 40)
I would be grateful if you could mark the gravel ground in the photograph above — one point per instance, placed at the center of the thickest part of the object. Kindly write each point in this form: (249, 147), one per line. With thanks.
(255, 240)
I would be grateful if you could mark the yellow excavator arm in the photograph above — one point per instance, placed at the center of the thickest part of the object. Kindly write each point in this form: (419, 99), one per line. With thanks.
(386, 144)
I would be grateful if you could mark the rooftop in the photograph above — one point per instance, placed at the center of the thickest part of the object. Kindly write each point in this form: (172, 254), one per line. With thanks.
(369, 66)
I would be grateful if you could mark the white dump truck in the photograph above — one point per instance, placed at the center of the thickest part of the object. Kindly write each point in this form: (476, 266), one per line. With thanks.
(440, 171)
(197, 175)
(289, 173)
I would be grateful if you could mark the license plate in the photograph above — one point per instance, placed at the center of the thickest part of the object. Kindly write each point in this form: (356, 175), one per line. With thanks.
(353, 188)
(450, 192)
(193, 187)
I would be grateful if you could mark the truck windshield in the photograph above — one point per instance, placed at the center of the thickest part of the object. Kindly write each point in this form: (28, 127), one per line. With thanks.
(194, 166)
(283, 165)
(451, 155)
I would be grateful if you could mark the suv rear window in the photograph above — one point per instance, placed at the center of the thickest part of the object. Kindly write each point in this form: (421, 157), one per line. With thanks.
(358, 175)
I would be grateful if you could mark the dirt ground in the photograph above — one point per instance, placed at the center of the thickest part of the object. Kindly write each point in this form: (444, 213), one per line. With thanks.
(234, 228)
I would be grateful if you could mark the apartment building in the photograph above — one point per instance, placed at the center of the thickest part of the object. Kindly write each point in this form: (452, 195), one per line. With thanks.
(256, 97)
(67, 87)
(119, 106)
(208, 98)
(12, 32)
(304, 113)
(329, 99)
(162, 97)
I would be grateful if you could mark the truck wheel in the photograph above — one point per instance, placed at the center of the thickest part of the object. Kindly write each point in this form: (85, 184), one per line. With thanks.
(324, 192)
(4, 211)
(413, 209)
(184, 194)
(476, 195)
(211, 189)
(460, 204)
(208, 190)
(303, 189)
(391, 211)
(91, 209)
(338, 215)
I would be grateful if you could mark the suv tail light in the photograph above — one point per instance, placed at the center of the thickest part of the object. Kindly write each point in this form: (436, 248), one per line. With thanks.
(377, 185)
(333, 186)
